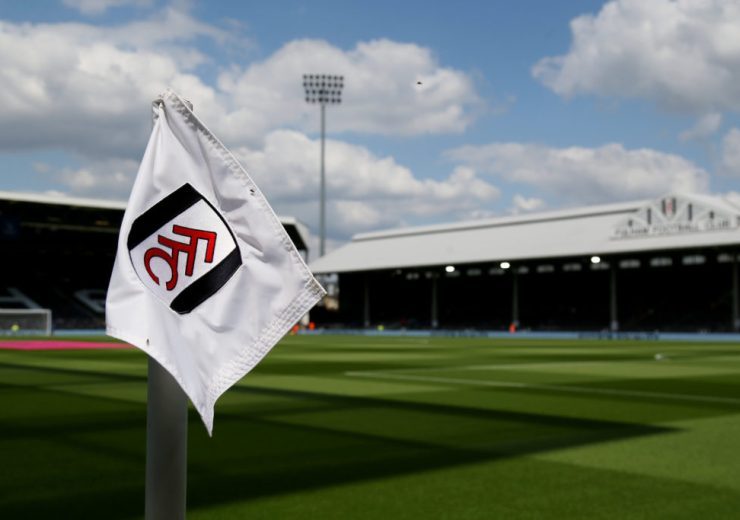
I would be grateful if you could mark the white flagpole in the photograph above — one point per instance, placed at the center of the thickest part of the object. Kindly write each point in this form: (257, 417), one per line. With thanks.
(166, 445)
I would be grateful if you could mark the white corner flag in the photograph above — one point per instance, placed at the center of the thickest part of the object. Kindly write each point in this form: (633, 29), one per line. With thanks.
(206, 280)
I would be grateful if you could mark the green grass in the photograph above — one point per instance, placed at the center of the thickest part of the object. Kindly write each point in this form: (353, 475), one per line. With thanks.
(354, 427)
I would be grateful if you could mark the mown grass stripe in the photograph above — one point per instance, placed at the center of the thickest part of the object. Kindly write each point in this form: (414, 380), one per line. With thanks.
(555, 388)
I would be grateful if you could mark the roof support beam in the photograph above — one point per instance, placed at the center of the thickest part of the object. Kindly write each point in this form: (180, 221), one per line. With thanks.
(735, 297)
(613, 311)
(514, 299)
(366, 302)
(435, 318)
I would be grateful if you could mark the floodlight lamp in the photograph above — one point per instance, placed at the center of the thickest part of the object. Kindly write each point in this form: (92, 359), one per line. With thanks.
(504, 265)
(323, 88)
(595, 259)
(450, 269)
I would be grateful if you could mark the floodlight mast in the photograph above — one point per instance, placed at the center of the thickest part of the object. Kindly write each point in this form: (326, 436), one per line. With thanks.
(323, 89)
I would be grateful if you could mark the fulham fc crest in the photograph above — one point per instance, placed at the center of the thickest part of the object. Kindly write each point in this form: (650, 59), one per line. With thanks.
(183, 250)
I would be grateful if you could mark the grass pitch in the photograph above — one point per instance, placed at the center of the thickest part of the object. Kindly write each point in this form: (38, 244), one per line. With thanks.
(357, 427)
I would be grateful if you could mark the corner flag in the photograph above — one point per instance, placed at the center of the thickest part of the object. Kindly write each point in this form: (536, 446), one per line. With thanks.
(206, 280)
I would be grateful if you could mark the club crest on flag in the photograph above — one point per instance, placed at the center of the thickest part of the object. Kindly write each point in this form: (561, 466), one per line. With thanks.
(183, 250)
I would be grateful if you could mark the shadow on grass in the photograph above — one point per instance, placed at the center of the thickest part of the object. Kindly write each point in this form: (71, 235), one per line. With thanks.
(73, 456)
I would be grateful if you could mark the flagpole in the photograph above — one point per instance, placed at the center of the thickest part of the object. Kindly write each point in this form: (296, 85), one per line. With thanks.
(166, 444)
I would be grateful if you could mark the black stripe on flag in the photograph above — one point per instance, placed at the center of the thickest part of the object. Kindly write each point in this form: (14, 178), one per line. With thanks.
(162, 212)
(207, 285)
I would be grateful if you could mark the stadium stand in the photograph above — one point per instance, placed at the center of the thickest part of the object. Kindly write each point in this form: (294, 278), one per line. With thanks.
(669, 264)
(58, 253)
(665, 265)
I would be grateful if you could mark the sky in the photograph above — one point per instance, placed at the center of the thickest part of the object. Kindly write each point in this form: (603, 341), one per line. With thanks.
(450, 110)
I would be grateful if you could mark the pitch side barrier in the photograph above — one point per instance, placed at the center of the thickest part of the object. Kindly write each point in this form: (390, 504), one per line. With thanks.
(79, 332)
(602, 335)
(450, 333)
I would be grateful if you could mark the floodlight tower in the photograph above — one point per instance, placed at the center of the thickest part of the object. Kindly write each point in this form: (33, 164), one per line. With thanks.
(323, 89)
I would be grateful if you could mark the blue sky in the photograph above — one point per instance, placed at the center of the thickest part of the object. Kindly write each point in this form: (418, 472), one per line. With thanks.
(523, 106)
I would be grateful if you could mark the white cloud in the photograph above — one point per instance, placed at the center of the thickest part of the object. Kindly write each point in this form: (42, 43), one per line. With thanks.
(682, 54)
(578, 175)
(380, 94)
(524, 204)
(108, 178)
(705, 126)
(97, 7)
(86, 88)
(364, 191)
(730, 159)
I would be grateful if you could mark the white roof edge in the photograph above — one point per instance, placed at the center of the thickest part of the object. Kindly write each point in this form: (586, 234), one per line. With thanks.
(718, 200)
(62, 199)
(553, 234)
(68, 200)
(618, 207)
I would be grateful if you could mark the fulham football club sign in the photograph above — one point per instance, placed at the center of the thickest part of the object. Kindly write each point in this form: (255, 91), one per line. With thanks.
(183, 250)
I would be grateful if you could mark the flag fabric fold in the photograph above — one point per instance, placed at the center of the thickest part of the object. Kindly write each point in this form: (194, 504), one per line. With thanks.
(206, 279)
